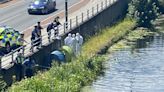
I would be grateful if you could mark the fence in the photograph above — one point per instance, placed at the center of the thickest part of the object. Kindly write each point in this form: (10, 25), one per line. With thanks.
(73, 23)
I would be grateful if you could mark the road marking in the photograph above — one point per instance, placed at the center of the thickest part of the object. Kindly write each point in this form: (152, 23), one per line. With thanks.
(12, 4)
(54, 15)
(1, 22)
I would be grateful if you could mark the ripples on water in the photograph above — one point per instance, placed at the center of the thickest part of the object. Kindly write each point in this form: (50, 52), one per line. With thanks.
(141, 70)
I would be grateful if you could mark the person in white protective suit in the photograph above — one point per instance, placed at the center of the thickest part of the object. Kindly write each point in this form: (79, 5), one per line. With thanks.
(79, 39)
(67, 40)
(73, 44)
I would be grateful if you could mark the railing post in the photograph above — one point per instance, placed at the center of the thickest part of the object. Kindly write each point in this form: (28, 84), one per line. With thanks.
(106, 4)
(97, 8)
(70, 24)
(12, 55)
(64, 27)
(92, 11)
(23, 50)
(76, 20)
(82, 16)
(41, 44)
(88, 14)
(101, 5)
(32, 46)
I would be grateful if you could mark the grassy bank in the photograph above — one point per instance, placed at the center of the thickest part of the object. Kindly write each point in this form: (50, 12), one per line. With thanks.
(72, 76)
(107, 37)
(131, 39)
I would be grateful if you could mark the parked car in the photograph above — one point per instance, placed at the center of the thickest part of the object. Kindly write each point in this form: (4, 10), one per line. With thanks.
(8, 38)
(41, 6)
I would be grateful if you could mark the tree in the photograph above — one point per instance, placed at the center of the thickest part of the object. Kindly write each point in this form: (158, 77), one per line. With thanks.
(144, 11)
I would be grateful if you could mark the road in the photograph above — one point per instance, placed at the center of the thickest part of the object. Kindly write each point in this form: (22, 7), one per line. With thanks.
(16, 15)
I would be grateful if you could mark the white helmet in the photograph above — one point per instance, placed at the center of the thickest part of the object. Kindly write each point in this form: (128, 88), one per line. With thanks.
(73, 35)
(69, 35)
(77, 34)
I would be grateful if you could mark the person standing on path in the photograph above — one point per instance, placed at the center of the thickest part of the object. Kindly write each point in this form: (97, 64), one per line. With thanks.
(49, 28)
(34, 37)
(39, 34)
(56, 26)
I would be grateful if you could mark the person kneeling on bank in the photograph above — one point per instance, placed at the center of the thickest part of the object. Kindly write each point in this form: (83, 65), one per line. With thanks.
(29, 64)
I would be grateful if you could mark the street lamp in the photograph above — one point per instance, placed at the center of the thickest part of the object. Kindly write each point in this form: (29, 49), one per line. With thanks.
(66, 15)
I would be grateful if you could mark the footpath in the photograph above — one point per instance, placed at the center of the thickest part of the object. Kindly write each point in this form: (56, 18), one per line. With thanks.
(75, 12)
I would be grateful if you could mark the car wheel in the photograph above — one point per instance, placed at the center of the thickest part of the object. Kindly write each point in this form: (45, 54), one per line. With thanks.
(45, 11)
(54, 6)
(8, 47)
(29, 12)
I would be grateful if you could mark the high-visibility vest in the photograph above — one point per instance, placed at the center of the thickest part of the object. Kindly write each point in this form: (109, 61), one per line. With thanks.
(19, 41)
(19, 59)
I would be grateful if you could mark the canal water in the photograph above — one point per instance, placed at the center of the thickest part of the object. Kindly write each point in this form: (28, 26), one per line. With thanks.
(134, 70)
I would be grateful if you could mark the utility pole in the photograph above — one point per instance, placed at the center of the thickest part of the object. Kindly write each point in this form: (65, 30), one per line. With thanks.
(66, 15)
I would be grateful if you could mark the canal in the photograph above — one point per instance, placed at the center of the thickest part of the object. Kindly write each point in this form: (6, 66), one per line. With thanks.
(134, 70)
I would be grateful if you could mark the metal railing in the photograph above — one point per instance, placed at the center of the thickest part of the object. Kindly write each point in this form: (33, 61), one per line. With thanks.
(73, 23)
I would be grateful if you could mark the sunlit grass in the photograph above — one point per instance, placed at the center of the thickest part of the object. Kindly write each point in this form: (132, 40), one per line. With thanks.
(132, 37)
(97, 42)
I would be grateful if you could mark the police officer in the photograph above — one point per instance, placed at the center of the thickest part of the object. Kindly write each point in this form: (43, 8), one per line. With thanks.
(18, 65)
(29, 64)
(20, 40)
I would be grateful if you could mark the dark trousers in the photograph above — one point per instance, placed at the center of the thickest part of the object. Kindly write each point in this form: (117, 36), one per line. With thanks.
(29, 73)
(19, 71)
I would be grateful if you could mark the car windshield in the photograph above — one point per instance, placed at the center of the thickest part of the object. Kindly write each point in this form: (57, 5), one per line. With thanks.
(40, 0)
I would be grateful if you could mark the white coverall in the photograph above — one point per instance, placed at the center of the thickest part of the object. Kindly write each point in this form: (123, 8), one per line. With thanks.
(67, 40)
(79, 39)
(73, 43)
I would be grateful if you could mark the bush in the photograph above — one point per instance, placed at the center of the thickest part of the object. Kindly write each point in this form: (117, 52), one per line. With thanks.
(161, 3)
(65, 78)
(144, 11)
(2, 84)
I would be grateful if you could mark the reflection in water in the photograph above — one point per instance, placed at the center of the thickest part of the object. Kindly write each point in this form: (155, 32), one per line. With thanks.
(140, 70)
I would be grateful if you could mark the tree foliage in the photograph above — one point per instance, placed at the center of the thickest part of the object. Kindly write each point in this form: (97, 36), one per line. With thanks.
(161, 3)
(144, 11)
